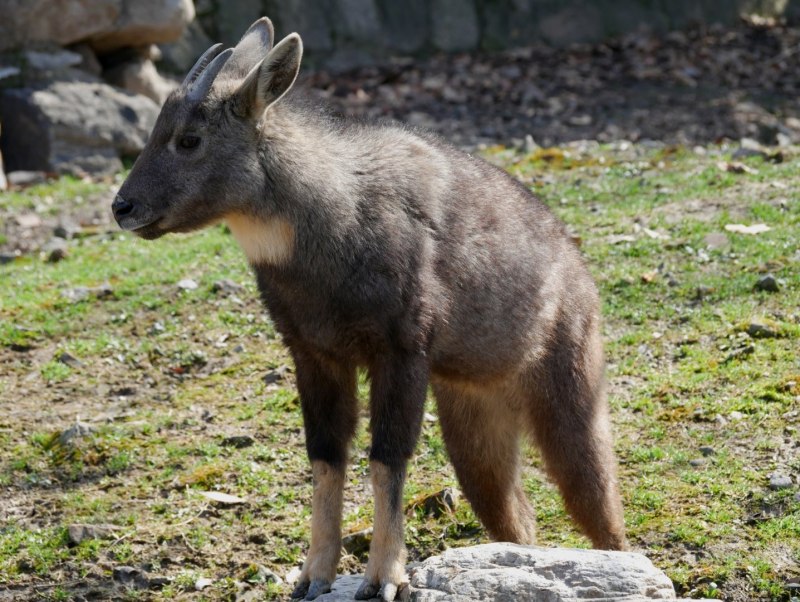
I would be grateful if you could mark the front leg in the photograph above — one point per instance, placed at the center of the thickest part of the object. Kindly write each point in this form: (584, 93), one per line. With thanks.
(330, 412)
(399, 385)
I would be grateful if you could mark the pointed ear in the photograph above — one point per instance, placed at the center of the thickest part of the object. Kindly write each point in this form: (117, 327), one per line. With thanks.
(255, 44)
(270, 80)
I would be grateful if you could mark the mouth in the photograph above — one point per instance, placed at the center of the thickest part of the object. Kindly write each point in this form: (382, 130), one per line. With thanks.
(148, 230)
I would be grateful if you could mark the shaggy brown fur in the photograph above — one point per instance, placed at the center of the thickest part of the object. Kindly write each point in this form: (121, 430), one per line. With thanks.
(381, 247)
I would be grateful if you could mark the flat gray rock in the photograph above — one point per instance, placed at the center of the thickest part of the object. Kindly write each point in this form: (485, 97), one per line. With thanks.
(503, 571)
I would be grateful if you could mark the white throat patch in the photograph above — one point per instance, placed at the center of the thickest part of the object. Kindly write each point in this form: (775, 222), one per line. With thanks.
(268, 241)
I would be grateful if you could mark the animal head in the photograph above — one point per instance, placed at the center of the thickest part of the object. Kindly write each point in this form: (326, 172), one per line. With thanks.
(202, 162)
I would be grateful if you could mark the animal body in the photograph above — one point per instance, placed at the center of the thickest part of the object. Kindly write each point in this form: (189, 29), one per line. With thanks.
(384, 248)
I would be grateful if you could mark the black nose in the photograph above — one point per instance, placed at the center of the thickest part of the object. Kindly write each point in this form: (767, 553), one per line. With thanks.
(121, 207)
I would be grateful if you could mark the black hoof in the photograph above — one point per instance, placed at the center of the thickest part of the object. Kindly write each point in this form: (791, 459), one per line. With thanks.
(367, 590)
(300, 590)
(317, 588)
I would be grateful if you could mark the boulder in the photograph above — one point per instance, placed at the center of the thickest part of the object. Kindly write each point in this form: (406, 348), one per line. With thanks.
(73, 127)
(179, 56)
(31, 22)
(503, 571)
(107, 24)
(141, 77)
(143, 22)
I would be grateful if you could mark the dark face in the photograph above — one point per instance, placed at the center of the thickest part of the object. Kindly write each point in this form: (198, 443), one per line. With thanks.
(201, 163)
(195, 169)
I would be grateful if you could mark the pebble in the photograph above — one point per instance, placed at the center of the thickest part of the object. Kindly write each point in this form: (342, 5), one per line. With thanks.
(69, 360)
(697, 462)
(26, 178)
(55, 250)
(77, 533)
(762, 331)
(716, 240)
(767, 283)
(293, 575)
(28, 220)
(276, 375)
(264, 575)
(66, 229)
(441, 502)
(187, 284)
(238, 441)
(707, 450)
(226, 287)
(76, 431)
(780, 481)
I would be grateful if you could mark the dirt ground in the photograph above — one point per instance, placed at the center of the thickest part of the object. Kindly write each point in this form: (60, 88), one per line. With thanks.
(693, 88)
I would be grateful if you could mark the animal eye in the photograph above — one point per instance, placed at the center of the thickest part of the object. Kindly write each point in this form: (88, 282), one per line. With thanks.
(189, 141)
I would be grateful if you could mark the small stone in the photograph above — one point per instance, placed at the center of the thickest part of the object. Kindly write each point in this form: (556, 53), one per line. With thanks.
(69, 360)
(707, 450)
(28, 220)
(81, 293)
(202, 583)
(79, 532)
(56, 250)
(66, 229)
(262, 574)
(238, 441)
(716, 240)
(26, 178)
(76, 431)
(767, 283)
(696, 462)
(226, 287)
(438, 503)
(276, 375)
(293, 575)
(530, 144)
(739, 353)
(760, 331)
(104, 291)
(187, 284)
(780, 481)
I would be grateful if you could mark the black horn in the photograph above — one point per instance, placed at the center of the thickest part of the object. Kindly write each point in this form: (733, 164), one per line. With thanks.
(201, 64)
(200, 87)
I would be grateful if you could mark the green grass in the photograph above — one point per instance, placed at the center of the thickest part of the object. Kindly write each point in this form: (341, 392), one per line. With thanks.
(163, 376)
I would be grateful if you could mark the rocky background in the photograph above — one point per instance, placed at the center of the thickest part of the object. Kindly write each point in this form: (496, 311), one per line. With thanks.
(80, 91)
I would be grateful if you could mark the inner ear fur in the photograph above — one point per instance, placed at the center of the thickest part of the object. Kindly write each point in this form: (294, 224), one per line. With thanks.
(271, 79)
(252, 47)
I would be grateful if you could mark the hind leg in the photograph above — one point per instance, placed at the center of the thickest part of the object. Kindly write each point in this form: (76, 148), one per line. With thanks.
(571, 426)
(482, 437)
